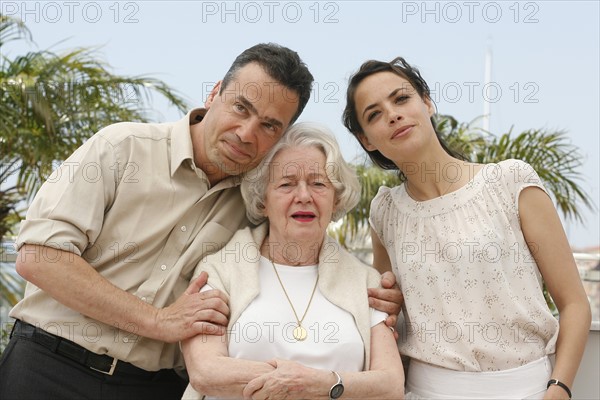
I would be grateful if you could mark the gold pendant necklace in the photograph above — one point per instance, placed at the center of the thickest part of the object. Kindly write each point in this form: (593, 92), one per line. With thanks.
(299, 333)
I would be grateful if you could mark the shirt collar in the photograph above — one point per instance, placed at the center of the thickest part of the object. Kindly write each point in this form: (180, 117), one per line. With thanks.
(182, 150)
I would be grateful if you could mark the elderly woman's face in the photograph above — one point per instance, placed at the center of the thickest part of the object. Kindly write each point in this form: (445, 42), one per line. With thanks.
(299, 199)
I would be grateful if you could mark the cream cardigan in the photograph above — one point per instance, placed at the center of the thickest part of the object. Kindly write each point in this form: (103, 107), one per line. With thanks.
(343, 279)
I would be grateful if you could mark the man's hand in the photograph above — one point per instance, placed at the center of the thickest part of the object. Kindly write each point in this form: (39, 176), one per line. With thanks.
(388, 299)
(194, 313)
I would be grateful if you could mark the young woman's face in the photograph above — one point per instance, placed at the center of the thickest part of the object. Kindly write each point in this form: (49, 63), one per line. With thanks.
(394, 118)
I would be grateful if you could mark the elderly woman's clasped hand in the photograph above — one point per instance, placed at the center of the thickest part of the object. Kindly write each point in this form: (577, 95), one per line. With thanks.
(289, 380)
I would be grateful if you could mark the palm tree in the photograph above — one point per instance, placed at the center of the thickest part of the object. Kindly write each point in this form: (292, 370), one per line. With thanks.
(49, 105)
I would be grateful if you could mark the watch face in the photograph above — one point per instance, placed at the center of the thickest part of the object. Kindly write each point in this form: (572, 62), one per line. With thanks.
(336, 391)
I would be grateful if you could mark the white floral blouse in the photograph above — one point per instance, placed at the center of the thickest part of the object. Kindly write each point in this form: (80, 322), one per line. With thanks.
(472, 290)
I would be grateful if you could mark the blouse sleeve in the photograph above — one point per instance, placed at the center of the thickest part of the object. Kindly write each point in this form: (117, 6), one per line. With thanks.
(520, 175)
(379, 206)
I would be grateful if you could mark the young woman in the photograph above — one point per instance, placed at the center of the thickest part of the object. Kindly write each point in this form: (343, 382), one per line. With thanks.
(470, 245)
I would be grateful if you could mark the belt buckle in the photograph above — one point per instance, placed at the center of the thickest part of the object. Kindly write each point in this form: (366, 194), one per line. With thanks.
(111, 371)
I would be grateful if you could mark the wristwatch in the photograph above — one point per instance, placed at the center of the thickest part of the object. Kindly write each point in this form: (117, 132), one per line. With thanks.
(336, 390)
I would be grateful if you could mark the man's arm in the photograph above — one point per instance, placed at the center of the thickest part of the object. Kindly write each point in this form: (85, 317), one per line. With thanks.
(71, 281)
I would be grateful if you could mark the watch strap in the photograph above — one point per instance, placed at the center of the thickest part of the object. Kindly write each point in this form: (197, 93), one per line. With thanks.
(337, 389)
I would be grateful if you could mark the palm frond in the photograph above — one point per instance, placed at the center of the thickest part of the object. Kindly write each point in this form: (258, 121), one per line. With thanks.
(371, 178)
(51, 103)
(12, 29)
(557, 162)
(12, 285)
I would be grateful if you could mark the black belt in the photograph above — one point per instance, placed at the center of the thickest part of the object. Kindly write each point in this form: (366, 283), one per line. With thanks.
(97, 362)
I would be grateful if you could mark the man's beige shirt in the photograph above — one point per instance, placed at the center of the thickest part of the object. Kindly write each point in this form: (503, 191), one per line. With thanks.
(132, 203)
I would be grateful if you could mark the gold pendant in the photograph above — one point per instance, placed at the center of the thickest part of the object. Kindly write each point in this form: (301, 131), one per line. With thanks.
(299, 333)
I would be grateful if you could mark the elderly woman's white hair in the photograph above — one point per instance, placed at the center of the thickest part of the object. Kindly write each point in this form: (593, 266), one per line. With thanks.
(304, 134)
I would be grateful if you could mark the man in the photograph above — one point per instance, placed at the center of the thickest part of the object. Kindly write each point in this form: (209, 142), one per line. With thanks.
(112, 238)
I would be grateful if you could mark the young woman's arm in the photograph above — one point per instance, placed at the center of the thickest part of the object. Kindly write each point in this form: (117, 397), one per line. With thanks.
(381, 260)
(389, 298)
(550, 248)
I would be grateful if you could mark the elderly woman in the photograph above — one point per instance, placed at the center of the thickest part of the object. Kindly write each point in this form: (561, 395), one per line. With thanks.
(300, 324)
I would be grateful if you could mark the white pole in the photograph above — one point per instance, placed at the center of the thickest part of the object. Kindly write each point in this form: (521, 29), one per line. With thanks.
(486, 85)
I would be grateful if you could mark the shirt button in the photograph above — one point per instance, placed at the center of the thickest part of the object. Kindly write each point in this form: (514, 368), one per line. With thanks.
(183, 228)
(125, 340)
(143, 299)
(163, 267)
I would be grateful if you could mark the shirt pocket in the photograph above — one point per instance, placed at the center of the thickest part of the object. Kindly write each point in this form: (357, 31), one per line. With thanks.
(210, 239)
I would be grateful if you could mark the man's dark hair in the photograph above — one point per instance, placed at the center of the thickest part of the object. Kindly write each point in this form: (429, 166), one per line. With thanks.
(282, 64)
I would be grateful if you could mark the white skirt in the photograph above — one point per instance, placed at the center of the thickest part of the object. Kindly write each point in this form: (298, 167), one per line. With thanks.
(426, 381)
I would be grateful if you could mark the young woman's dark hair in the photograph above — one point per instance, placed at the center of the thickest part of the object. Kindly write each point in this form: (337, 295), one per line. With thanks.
(400, 67)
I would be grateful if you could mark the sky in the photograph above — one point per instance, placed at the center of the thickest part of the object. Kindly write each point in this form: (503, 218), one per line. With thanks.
(544, 57)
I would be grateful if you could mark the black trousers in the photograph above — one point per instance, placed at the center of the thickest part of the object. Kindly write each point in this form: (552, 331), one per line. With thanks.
(30, 371)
